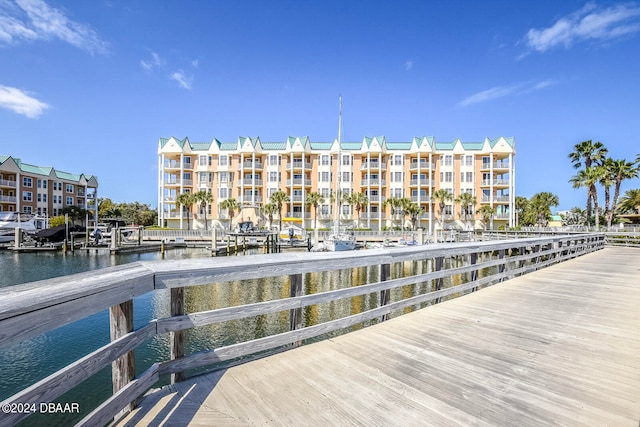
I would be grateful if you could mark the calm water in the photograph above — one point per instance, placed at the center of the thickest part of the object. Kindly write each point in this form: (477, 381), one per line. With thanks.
(36, 358)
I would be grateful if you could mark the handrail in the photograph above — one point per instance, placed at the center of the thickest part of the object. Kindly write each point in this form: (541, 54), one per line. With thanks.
(33, 308)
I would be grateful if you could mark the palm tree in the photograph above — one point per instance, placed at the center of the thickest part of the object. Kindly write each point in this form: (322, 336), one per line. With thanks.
(521, 207)
(589, 152)
(442, 196)
(413, 210)
(278, 198)
(467, 201)
(621, 170)
(270, 209)
(204, 198)
(541, 205)
(231, 205)
(588, 178)
(359, 202)
(630, 202)
(314, 199)
(187, 200)
(397, 206)
(607, 180)
(487, 212)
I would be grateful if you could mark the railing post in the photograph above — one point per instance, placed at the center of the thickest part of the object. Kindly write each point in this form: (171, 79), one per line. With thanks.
(473, 259)
(176, 338)
(122, 369)
(385, 296)
(501, 267)
(439, 261)
(295, 314)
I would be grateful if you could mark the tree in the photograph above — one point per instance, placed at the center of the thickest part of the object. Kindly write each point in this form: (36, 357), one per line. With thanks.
(588, 178)
(279, 197)
(541, 205)
(588, 152)
(359, 202)
(487, 212)
(442, 196)
(108, 209)
(231, 205)
(75, 213)
(413, 210)
(630, 202)
(204, 198)
(270, 209)
(521, 206)
(187, 200)
(314, 199)
(575, 216)
(620, 170)
(467, 202)
(397, 206)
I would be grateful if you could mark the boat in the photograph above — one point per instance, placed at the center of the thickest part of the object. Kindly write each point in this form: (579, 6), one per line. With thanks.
(339, 240)
(9, 221)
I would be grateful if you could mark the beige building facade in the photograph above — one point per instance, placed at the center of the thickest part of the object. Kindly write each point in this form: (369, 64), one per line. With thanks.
(250, 171)
(41, 190)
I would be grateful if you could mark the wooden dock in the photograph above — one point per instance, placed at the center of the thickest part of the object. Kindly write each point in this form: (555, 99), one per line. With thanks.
(560, 346)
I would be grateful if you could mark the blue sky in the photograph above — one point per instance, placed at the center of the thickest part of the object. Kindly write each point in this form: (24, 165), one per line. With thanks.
(90, 86)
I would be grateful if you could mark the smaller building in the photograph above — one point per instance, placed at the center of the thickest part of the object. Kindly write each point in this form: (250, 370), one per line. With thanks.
(43, 190)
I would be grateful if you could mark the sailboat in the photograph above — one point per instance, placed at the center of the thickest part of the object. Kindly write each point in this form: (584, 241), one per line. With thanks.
(339, 240)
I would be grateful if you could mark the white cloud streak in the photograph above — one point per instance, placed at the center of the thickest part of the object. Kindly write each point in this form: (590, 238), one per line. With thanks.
(183, 80)
(503, 91)
(30, 20)
(590, 23)
(154, 62)
(408, 65)
(21, 102)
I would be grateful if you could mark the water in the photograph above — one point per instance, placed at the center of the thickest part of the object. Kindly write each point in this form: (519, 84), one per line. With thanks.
(34, 359)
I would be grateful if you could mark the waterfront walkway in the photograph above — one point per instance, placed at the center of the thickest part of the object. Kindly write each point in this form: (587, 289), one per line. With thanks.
(560, 346)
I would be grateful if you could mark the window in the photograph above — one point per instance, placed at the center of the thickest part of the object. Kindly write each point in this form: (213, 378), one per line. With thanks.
(222, 193)
(57, 186)
(469, 176)
(222, 161)
(202, 160)
(42, 183)
(69, 201)
(26, 209)
(42, 198)
(346, 176)
(448, 160)
(397, 160)
(346, 160)
(398, 176)
(223, 177)
(324, 160)
(27, 182)
(69, 188)
(398, 193)
(448, 210)
(324, 192)
(27, 196)
(202, 177)
(324, 176)
(468, 160)
(273, 176)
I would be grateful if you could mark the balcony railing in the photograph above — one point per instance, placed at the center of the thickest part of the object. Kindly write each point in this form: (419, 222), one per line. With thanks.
(250, 181)
(250, 165)
(307, 215)
(376, 199)
(496, 182)
(7, 183)
(422, 199)
(496, 199)
(250, 199)
(368, 182)
(175, 164)
(374, 165)
(299, 182)
(421, 182)
(373, 215)
(496, 165)
(421, 165)
(300, 165)
(8, 199)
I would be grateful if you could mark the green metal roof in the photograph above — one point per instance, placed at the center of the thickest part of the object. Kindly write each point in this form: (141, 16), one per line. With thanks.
(321, 145)
(280, 146)
(200, 146)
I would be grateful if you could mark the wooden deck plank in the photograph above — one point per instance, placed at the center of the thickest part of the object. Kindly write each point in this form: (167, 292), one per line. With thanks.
(557, 346)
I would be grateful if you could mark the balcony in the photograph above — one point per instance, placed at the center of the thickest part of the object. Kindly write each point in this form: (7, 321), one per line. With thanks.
(307, 215)
(7, 183)
(299, 165)
(249, 182)
(421, 199)
(8, 199)
(421, 182)
(499, 182)
(502, 215)
(369, 182)
(297, 198)
(175, 164)
(496, 165)
(375, 216)
(250, 199)
(299, 182)
(373, 166)
(376, 199)
(421, 165)
(496, 199)
(253, 165)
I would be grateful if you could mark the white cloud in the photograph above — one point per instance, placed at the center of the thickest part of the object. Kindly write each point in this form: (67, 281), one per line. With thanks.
(588, 23)
(154, 62)
(502, 91)
(21, 102)
(183, 80)
(36, 20)
(408, 65)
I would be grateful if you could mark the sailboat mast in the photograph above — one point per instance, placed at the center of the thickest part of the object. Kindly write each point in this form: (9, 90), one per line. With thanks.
(339, 178)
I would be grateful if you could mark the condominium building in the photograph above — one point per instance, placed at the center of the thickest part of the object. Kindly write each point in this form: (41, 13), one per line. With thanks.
(42, 190)
(250, 171)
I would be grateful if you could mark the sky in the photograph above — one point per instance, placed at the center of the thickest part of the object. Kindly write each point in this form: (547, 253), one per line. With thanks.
(91, 86)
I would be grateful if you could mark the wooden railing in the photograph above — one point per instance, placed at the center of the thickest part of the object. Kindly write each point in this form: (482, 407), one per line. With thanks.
(34, 308)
